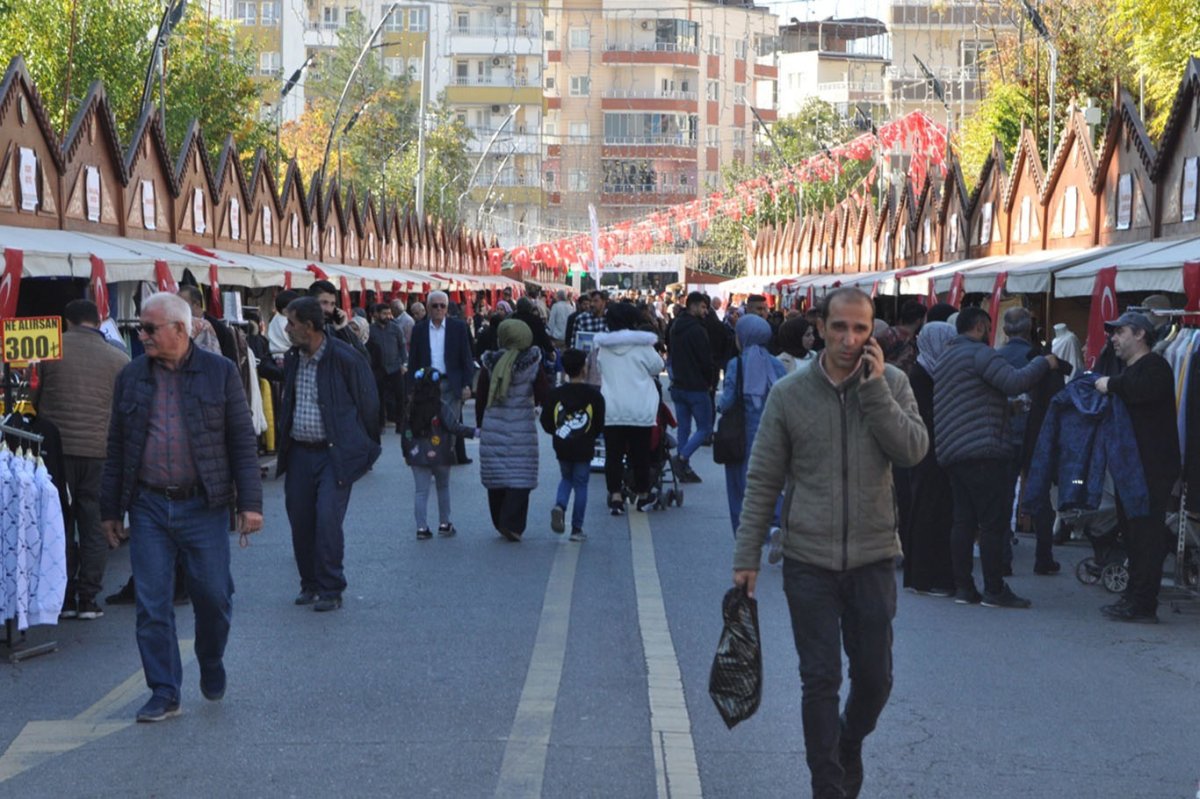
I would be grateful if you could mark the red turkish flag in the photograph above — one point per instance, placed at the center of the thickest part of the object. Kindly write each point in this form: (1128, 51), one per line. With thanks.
(874, 289)
(10, 283)
(569, 253)
(1104, 308)
(956, 290)
(378, 292)
(318, 272)
(163, 277)
(287, 281)
(1191, 287)
(395, 293)
(362, 293)
(470, 309)
(547, 255)
(346, 298)
(810, 298)
(932, 299)
(994, 307)
(520, 259)
(214, 293)
(495, 259)
(99, 286)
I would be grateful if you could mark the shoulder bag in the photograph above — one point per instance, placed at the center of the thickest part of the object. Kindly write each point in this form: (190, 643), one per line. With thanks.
(729, 442)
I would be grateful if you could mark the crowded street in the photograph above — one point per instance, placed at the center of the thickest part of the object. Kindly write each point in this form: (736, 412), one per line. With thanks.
(476, 667)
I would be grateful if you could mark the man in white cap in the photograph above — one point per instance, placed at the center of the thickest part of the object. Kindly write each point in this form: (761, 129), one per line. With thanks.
(1147, 387)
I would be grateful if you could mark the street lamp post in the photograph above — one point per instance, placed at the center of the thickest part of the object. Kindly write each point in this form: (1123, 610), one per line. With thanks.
(283, 93)
(1039, 25)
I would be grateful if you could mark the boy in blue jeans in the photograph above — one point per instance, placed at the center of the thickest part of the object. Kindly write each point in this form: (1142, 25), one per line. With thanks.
(574, 415)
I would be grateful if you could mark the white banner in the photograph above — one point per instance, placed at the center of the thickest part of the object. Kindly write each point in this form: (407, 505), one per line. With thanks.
(198, 222)
(268, 232)
(649, 262)
(1189, 189)
(235, 219)
(597, 259)
(1124, 201)
(91, 179)
(149, 207)
(29, 193)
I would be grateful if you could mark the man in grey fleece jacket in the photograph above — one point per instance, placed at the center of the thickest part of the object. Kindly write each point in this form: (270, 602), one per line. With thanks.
(854, 417)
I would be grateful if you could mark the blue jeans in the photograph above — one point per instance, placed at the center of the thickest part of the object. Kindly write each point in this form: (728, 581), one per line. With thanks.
(735, 491)
(575, 476)
(691, 405)
(159, 531)
(316, 508)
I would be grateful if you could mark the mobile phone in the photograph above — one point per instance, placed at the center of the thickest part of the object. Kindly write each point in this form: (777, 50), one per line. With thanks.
(866, 361)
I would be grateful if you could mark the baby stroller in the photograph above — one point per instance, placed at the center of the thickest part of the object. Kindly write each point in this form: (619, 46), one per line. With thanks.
(662, 474)
(1109, 563)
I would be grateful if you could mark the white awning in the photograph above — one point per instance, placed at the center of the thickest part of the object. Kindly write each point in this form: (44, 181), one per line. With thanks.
(1147, 266)
(1031, 273)
(941, 276)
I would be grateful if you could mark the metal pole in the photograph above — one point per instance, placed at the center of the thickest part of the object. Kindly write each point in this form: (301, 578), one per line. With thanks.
(487, 195)
(483, 155)
(337, 112)
(420, 187)
(1053, 80)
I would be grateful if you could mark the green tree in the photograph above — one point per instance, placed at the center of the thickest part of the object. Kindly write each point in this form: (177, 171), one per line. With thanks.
(1160, 36)
(68, 44)
(378, 153)
(1000, 115)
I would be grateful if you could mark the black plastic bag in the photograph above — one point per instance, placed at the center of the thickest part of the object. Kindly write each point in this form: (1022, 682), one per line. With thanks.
(735, 683)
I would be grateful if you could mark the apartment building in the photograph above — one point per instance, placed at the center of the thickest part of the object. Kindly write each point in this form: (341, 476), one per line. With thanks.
(644, 106)
(867, 65)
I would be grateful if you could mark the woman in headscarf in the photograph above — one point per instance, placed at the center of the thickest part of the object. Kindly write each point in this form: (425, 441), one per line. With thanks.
(508, 442)
(792, 338)
(487, 339)
(926, 542)
(629, 369)
(759, 370)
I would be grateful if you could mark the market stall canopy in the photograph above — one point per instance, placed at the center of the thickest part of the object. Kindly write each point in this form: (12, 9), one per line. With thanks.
(1149, 266)
(942, 276)
(60, 253)
(750, 284)
(1031, 273)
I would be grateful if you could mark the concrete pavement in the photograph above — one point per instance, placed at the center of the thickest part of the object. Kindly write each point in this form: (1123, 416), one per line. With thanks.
(448, 673)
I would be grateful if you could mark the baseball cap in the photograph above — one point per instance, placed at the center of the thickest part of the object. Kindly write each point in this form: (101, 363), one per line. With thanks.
(1131, 319)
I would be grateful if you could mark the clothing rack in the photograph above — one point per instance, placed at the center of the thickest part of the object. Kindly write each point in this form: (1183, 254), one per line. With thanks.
(14, 640)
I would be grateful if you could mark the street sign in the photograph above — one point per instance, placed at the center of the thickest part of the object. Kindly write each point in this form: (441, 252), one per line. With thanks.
(34, 338)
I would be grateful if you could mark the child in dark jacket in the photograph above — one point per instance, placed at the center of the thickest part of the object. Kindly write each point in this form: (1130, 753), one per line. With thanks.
(574, 415)
(429, 437)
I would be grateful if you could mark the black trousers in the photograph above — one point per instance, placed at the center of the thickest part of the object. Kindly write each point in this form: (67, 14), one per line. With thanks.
(832, 611)
(1146, 543)
(981, 502)
(509, 508)
(621, 441)
(87, 549)
(391, 399)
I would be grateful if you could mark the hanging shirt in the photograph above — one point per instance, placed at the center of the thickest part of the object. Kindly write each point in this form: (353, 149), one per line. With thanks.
(48, 573)
(9, 512)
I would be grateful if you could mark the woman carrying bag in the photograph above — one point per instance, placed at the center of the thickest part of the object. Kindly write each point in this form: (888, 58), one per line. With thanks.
(748, 379)
(511, 384)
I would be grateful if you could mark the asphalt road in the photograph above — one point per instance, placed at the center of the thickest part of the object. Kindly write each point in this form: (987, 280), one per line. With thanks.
(473, 667)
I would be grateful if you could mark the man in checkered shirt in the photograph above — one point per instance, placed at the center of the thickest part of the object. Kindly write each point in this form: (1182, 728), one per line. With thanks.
(591, 321)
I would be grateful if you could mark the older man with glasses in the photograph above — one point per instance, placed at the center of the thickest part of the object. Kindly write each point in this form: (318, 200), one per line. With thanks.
(181, 451)
(444, 344)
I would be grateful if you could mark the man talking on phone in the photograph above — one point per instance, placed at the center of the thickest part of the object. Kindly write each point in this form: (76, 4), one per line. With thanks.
(855, 417)
(337, 322)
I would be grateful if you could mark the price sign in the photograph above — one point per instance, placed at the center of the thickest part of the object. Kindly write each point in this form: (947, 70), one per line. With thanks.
(36, 338)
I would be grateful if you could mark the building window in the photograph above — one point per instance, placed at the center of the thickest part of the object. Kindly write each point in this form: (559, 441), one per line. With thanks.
(394, 22)
(580, 39)
(739, 140)
(739, 94)
(577, 180)
(713, 91)
(418, 20)
(247, 12)
(462, 21)
(578, 133)
(269, 15)
(330, 18)
(711, 136)
(550, 130)
(414, 67)
(714, 44)
(394, 65)
(739, 49)
(581, 86)
(551, 181)
(270, 63)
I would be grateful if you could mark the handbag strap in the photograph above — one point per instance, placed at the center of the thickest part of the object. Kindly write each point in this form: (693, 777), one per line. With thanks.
(739, 379)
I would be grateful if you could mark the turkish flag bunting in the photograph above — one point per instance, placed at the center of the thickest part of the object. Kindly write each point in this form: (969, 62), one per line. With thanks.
(346, 298)
(495, 259)
(99, 284)
(956, 290)
(997, 295)
(548, 255)
(1104, 308)
(569, 253)
(520, 258)
(214, 293)
(10, 283)
(164, 279)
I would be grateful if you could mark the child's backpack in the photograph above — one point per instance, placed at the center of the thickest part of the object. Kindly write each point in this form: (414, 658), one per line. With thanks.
(426, 405)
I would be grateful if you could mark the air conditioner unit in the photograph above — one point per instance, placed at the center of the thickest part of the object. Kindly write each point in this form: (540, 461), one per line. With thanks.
(549, 83)
(496, 61)
(501, 10)
(495, 109)
(645, 24)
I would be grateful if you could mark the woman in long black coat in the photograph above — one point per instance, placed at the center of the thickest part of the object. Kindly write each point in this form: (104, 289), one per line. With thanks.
(927, 566)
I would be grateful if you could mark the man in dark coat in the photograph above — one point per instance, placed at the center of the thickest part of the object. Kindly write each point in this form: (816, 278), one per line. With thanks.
(445, 345)
(691, 379)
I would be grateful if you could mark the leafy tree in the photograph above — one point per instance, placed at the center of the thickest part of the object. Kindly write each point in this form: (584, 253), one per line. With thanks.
(1160, 36)
(1000, 115)
(379, 151)
(68, 44)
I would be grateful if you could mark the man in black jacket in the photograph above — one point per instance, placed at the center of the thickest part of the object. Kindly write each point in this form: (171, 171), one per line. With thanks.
(181, 452)
(329, 437)
(337, 323)
(1147, 387)
(691, 379)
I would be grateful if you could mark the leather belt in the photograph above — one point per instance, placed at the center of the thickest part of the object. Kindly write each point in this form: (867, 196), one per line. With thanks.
(174, 493)
(311, 444)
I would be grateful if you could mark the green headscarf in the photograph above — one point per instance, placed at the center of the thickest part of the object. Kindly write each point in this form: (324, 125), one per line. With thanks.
(514, 337)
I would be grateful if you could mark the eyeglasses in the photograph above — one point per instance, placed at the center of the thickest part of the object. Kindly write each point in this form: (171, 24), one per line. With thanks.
(437, 305)
(150, 329)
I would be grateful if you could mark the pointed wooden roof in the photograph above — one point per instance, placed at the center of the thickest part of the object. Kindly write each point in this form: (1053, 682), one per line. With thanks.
(1026, 165)
(1187, 98)
(149, 130)
(95, 110)
(1075, 131)
(193, 150)
(1124, 122)
(17, 81)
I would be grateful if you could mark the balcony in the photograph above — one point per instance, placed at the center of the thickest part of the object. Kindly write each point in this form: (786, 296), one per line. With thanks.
(649, 100)
(495, 88)
(849, 91)
(649, 141)
(648, 51)
(496, 40)
(648, 94)
(507, 141)
(646, 194)
(507, 190)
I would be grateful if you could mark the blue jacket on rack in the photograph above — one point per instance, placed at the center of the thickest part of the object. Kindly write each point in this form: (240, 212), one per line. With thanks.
(1084, 434)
